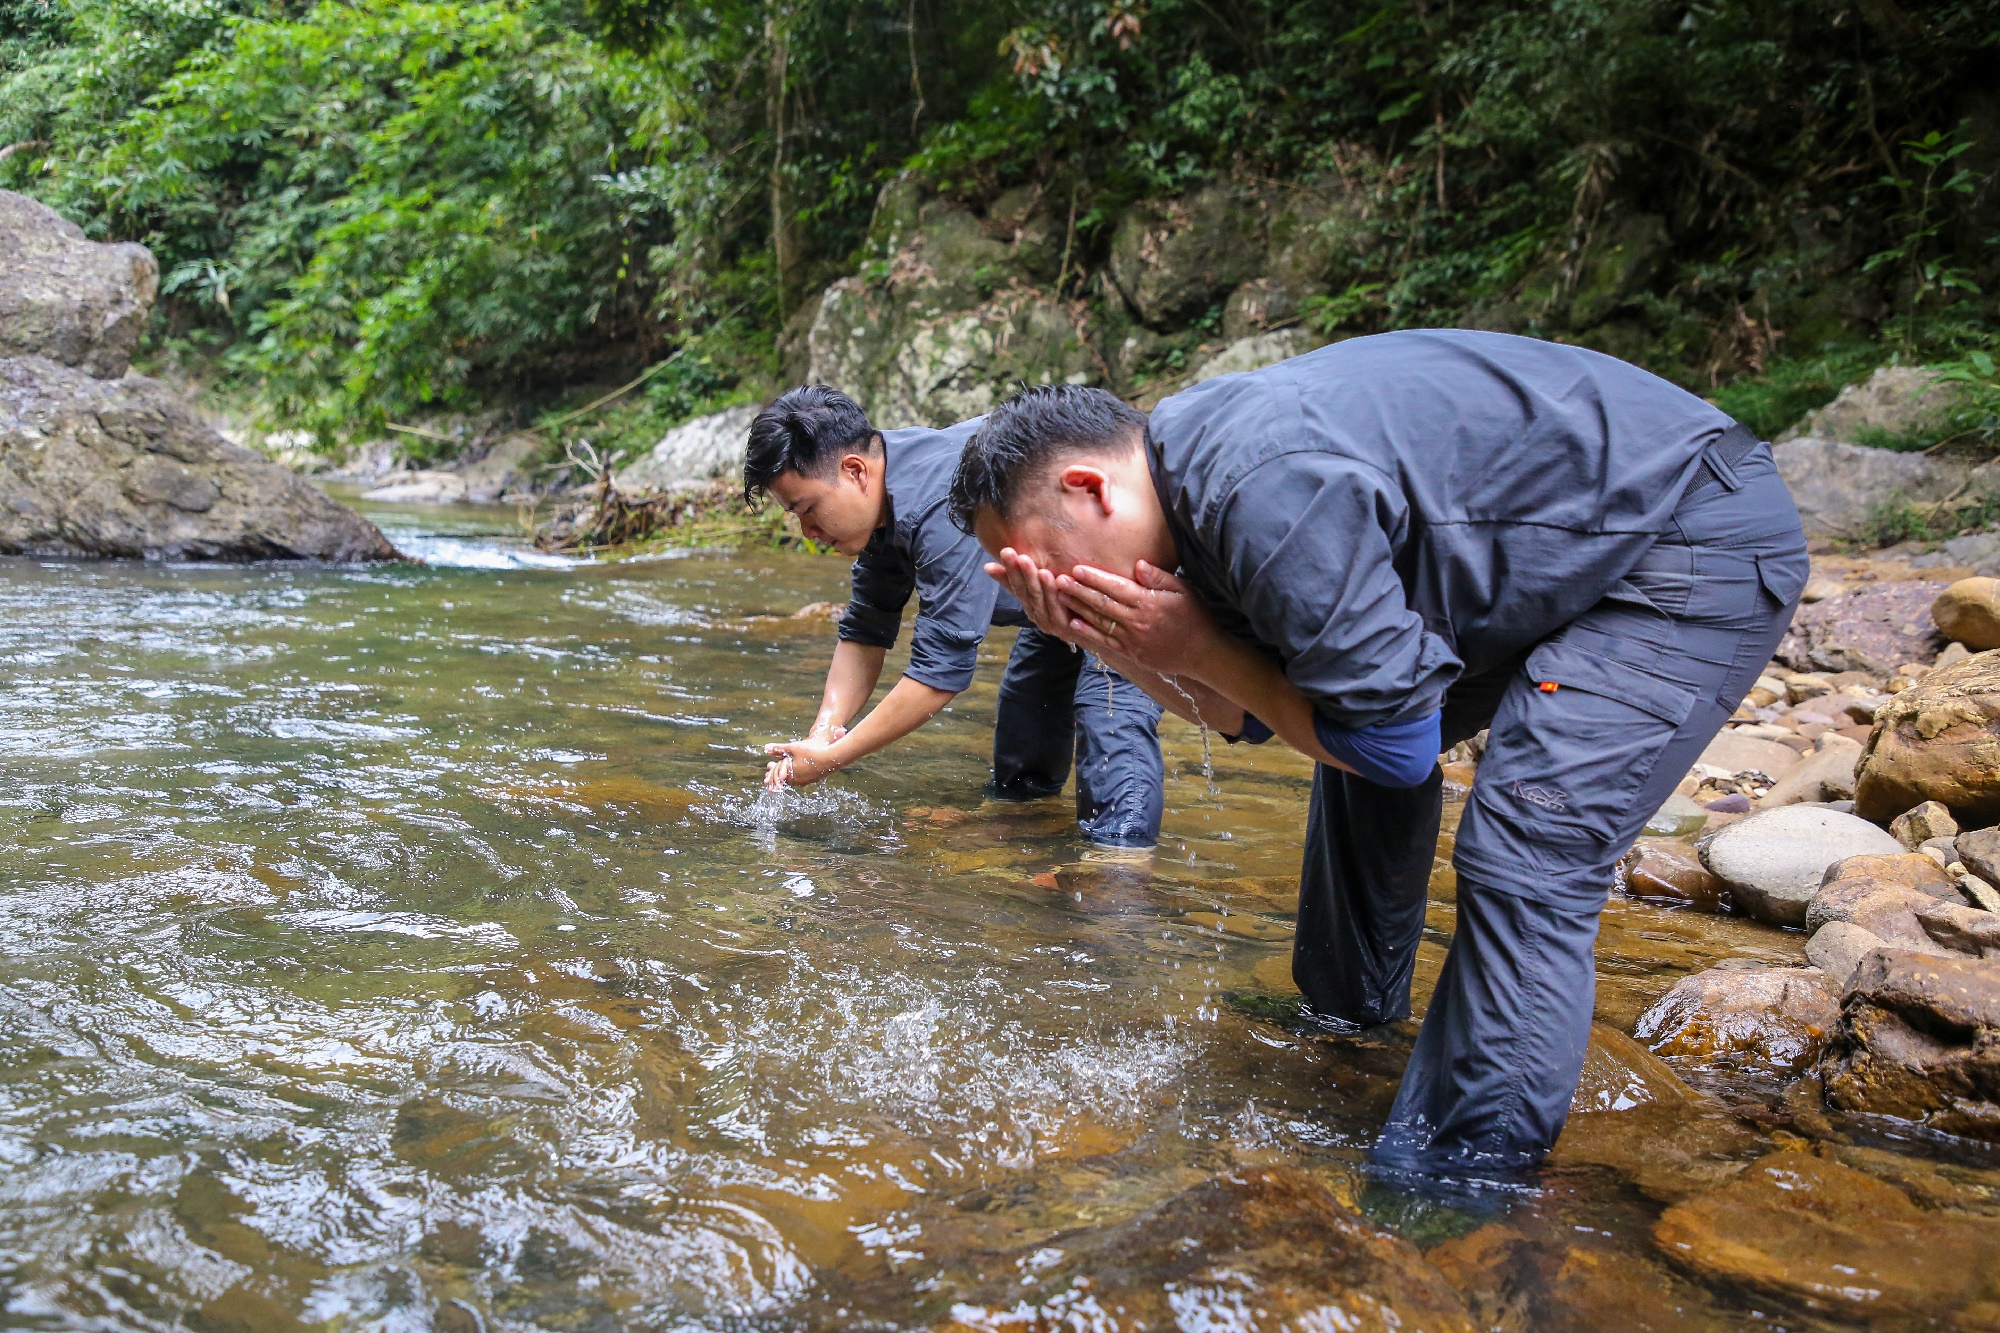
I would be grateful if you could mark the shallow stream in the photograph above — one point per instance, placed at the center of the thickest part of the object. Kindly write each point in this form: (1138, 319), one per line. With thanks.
(411, 947)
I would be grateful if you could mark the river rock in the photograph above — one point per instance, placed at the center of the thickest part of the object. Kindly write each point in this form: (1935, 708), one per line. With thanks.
(1972, 931)
(1271, 1238)
(1978, 850)
(1976, 551)
(1620, 1074)
(1919, 1039)
(1773, 861)
(1733, 752)
(1938, 740)
(1919, 824)
(1827, 774)
(1825, 1237)
(706, 447)
(426, 486)
(1838, 947)
(1881, 894)
(1773, 1020)
(1874, 628)
(1679, 817)
(1895, 400)
(1969, 612)
(96, 467)
(1663, 870)
(1836, 485)
(68, 298)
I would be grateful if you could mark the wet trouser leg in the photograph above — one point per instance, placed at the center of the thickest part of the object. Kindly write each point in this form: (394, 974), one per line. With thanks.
(1055, 703)
(1569, 777)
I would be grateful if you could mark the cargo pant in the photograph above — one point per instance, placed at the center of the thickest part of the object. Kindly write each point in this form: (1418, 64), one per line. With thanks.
(1591, 730)
(1055, 702)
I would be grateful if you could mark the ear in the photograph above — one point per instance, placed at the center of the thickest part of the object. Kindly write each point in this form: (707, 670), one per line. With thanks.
(854, 469)
(1090, 485)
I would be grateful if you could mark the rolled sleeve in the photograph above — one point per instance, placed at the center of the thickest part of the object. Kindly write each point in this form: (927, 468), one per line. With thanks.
(955, 604)
(881, 585)
(1309, 541)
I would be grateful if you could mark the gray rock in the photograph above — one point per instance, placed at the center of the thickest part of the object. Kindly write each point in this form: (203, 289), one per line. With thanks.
(1171, 260)
(694, 451)
(1773, 861)
(1835, 485)
(1976, 551)
(1962, 929)
(502, 471)
(1895, 400)
(97, 467)
(1827, 774)
(1875, 628)
(68, 298)
(1838, 947)
(1979, 851)
(1734, 752)
(426, 486)
(1254, 353)
(1679, 817)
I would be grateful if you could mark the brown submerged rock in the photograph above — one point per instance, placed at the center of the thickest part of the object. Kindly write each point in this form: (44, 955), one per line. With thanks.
(1266, 1247)
(1919, 1039)
(66, 297)
(1874, 628)
(1665, 869)
(93, 467)
(1516, 1282)
(1939, 740)
(1834, 1240)
(1774, 1020)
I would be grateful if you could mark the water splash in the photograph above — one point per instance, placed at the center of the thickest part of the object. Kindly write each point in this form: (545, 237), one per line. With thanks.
(1207, 753)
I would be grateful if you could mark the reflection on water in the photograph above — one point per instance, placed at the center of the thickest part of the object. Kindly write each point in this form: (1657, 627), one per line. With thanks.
(416, 948)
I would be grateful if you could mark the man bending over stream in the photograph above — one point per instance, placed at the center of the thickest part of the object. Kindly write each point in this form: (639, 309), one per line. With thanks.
(880, 496)
(1373, 551)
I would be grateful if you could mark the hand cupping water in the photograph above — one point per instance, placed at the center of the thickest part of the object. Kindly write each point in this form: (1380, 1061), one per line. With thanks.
(1152, 620)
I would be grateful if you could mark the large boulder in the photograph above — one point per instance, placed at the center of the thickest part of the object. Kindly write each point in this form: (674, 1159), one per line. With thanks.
(1835, 485)
(1875, 628)
(1773, 861)
(693, 452)
(1772, 1020)
(1171, 260)
(68, 298)
(1919, 1039)
(1938, 740)
(122, 467)
(1895, 400)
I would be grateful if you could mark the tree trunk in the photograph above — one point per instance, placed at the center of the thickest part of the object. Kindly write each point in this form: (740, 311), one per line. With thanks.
(784, 215)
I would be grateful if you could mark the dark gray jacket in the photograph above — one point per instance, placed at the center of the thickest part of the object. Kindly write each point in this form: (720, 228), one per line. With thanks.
(920, 551)
(1388, 513)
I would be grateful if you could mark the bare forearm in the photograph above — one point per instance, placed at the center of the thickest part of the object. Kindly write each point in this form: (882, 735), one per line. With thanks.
(1186, 698)
(856, 669)
(1252, 683)
(905, 708)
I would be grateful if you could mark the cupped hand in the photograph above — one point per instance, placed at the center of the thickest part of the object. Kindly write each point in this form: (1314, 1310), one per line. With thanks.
(1151, 619)
(1035, 589)
(798, 763)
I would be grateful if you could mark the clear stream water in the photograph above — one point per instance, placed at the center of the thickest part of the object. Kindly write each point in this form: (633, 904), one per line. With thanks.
(411, 947)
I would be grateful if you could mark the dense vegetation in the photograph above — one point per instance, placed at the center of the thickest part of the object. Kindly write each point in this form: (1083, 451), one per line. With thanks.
(373, 207)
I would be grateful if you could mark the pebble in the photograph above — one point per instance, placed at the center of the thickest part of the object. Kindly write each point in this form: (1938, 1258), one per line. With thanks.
(1736, 803)
(1920, 823)
(1680, 817)
(1773, 861)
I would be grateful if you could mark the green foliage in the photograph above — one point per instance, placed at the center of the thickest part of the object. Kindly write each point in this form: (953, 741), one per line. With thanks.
(387, 205)
(1792, 387)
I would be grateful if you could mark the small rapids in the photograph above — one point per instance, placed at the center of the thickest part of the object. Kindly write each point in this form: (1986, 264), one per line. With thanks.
(391, 949)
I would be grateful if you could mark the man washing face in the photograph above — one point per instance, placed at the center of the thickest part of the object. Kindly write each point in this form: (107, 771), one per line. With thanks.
(879, 496)
(1373, 551)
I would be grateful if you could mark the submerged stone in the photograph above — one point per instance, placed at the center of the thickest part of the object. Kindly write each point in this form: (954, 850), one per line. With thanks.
(1836, 1241)
(1919, 1039)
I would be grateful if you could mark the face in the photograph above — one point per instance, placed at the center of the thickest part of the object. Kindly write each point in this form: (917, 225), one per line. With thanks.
(841, 509)
(1101, 512)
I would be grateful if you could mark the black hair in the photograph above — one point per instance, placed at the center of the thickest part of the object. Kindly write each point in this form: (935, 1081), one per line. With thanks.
(804, 431)
(1029, 431)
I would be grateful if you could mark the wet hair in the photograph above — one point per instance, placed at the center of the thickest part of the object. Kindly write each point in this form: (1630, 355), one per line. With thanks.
(1027, 433)
(805, 430)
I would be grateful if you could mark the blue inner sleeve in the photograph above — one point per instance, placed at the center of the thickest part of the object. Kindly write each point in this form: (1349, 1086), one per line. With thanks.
(1390, 754)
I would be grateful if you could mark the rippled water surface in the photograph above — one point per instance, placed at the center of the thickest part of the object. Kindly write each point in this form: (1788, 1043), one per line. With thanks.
(412, 947)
